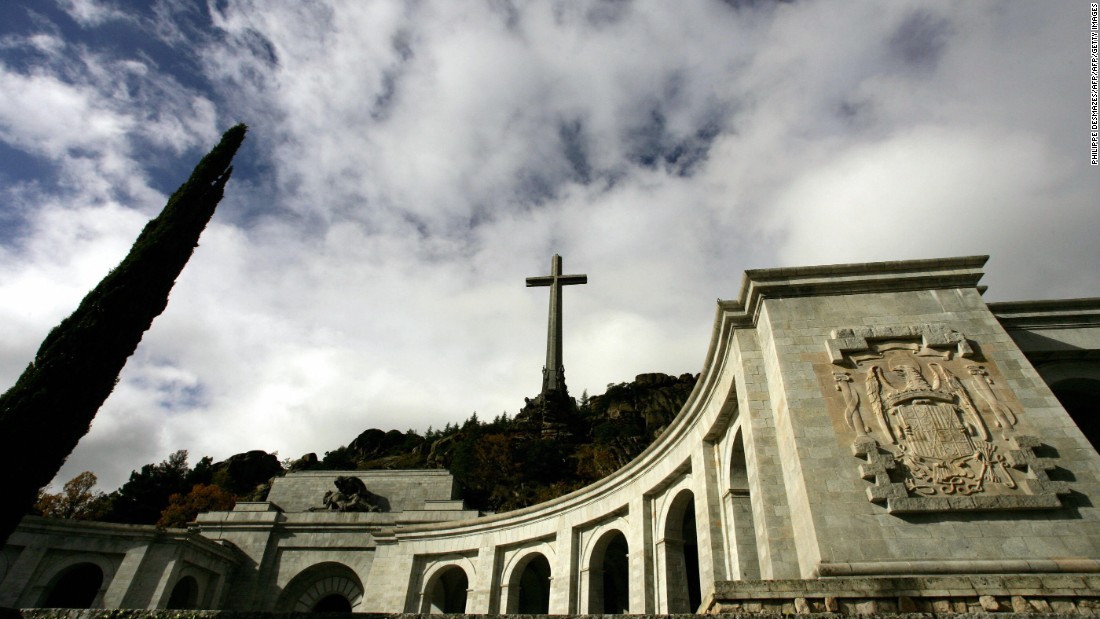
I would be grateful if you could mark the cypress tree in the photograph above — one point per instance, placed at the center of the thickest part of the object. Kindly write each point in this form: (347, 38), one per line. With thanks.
(53, 403)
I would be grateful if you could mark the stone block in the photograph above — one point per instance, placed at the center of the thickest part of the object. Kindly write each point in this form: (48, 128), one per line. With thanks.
(1020, 604)
(1088, 607)
(1040, 605)
(1064, 581)
(989, 603)
(942, 606)
(801, 606)
(866, 607)
(1064, 607)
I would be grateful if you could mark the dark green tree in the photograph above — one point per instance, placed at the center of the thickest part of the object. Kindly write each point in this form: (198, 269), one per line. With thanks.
(53, 403)
(145, 495)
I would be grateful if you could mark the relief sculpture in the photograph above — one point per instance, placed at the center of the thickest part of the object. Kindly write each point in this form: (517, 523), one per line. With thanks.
(852, 414)
(943, 442)
(1003, 415)
(923, 432)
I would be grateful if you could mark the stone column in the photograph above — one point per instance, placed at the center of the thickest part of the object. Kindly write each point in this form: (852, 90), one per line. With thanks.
(19, 579)
(564, 576)
(124, 576)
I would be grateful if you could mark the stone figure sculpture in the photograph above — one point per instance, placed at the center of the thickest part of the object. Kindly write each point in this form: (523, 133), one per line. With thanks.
(351, 495)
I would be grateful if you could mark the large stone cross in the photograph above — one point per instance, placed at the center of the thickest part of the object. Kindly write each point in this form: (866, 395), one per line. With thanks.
(553, 374)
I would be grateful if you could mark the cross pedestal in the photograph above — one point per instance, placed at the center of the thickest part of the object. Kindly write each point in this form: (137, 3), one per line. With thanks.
(553, 373)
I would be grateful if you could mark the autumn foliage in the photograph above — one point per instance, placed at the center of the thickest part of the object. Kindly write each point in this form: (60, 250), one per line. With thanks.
(75, 501)
(183, 508)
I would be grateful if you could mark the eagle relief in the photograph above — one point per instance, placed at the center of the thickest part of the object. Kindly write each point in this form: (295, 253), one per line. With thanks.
(934, 430)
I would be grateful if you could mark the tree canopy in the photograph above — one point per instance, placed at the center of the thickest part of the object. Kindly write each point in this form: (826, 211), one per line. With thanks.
(75, 501)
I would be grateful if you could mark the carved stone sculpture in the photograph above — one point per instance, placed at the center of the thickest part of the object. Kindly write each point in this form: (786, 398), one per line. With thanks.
(931, 448)
(351, 495)
(852, 414)
(982, 382)
(943, 442)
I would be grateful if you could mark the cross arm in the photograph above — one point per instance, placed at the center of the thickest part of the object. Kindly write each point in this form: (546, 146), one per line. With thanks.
(540, 281)
(564, 280)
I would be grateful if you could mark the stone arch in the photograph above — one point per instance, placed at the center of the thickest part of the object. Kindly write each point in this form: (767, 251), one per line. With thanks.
(742, 533)
(185, 594)
(1076, 384)
(77, 585)
(609, 574)
(680, 550)
(529, 585)
(445, 590)
(325, 587)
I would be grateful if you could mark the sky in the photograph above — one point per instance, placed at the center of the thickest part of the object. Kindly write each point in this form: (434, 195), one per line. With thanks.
(409, 164)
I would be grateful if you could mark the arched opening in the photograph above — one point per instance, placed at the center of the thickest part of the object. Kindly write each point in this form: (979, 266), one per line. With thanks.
(691, 559)
(332, 603)
(325, 587)
(76, 587)
(681, 553)
(532, 586)
(447, 591)
(185, 595)
(742, 537)
(609, 575)
(1081, 399)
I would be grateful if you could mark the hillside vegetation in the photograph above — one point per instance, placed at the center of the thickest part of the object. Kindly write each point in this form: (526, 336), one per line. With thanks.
(551, 447)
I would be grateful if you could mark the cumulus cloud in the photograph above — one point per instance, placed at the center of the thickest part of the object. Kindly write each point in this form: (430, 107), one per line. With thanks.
(409, 164)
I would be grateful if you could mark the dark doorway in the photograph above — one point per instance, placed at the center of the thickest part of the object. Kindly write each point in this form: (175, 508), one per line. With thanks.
(448, 593)
(332, 603)
(691, 559)
(609, 573)
(681, 547)
(185, 595)
(77, 587)
(534, 587)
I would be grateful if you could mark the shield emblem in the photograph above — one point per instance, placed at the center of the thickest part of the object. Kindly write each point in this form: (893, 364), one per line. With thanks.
(934, 431)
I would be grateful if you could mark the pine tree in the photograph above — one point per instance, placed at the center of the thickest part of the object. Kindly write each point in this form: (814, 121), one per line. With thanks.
(53, 403)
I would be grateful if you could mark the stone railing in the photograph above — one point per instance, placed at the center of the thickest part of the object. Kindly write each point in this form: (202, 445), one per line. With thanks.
(1059, 594)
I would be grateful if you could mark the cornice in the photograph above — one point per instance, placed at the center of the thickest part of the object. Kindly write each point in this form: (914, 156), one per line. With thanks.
(1048, 314)
(842, 279)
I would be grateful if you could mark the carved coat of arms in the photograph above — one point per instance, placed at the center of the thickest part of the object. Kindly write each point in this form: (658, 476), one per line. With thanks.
(933, 432)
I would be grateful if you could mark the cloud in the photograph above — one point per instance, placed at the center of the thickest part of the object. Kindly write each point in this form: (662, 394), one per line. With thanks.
(928, 191)
(409, 164)
(90, 13)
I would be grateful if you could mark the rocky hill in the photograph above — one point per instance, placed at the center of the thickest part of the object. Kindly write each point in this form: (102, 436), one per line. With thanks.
(551, 447)
(548, 449)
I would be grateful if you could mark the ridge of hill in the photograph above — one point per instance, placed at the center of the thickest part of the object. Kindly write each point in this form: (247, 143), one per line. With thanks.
(553, 446)
(549, 449)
